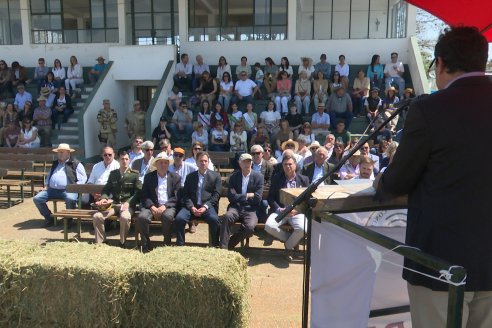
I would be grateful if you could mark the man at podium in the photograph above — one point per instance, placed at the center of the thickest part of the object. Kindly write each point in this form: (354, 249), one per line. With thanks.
(449, 211)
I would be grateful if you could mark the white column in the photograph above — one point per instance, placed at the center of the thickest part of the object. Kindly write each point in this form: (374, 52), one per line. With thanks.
(122, 23)
(291, 20)
(26, 27)
(183, 21)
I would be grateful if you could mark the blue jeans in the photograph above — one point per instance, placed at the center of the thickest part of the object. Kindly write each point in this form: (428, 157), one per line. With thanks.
(185, 133)
(184, 216)
(247, 99)
(44, 196)
(347, 116)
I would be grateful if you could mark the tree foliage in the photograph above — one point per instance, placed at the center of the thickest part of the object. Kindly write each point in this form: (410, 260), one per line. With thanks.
(428, 29)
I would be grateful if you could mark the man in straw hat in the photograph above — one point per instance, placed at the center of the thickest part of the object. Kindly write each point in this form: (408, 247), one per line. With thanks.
(201, 194)
(158, 200)
(123, 187)
(97, 70)
(244, 192)
(42, 118)
(66, 170)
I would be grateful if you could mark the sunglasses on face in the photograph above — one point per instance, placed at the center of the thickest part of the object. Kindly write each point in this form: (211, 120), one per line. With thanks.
(178, 155)
(107, 155)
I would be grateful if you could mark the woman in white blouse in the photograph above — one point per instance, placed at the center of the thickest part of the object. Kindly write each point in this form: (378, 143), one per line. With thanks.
(74, 76)
(59, 72)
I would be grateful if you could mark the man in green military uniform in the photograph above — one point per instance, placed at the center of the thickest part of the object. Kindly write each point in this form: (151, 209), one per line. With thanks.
(107, 118)
(124, 186)
(135, 121)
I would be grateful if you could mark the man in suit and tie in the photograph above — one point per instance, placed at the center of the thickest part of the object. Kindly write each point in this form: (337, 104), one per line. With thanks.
(123, 186)
(319, 168)
(201, 194)
(449, 213)
(244, 193)
(288, 178)
(158, 200)
(143, 165)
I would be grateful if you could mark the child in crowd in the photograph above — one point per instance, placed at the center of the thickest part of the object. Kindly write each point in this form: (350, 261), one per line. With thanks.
(259, 75)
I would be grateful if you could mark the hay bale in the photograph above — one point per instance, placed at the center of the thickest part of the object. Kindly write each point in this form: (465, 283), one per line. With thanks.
(82, 285)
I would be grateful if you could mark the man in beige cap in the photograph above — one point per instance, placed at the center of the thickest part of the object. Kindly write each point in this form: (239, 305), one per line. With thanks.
(123, 187)
(135, 121)
(158, 200)
(143, 165)
(107, 118)
(244, 193)
(66, 170)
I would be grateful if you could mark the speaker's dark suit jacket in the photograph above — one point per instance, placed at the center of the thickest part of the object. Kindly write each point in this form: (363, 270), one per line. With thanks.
(149, 189)
(279, 181)
(240, 201)
(211, 189)
(442, 164)
(308, 171)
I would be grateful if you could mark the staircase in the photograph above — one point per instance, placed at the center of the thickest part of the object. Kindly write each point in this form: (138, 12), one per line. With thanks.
(69, 132)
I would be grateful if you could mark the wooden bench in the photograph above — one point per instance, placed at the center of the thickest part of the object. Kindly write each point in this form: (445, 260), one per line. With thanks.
(43, 150)
(78, 214)
(10, 166)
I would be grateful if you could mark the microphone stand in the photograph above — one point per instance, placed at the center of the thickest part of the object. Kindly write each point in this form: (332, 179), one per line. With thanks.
(305, 196)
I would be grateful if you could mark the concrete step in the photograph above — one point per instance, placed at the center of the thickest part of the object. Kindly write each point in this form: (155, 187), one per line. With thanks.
(69, 128)
(84, 96)
(66, 136)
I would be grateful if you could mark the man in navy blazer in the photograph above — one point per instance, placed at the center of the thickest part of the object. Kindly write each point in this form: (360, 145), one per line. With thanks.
(319, 167)
(449, 212)
(288, 178)
(159, 199)
(244, 194)
(201, 194)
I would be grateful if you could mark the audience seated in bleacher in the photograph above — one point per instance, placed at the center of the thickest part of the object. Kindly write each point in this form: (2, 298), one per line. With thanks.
(270, 76)
(183, 73)
(173, 99)
(181, 126)
(393, 73)
(62, 105)
(226, 91)
(320, 89)
(42, 119)
(28, 135)
(197, 147)
(161, 131)
(360, 92)
(143, 165)
(344, 70)
(199, 134)
(223, 67)
(198, 69)
(295, 120)
(375, 72)
(74, 76)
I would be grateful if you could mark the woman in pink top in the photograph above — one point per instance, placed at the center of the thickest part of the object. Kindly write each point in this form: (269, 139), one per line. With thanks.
(284, 85)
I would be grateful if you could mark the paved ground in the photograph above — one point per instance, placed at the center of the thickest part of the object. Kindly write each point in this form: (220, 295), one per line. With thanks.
(276, 285)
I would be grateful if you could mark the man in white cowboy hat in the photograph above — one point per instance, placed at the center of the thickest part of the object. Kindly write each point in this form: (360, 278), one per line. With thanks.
(244, 192)
(42, 118)
(97, 70)
(158, 200)
(66, 170)
(123, 187)
(293, 146)
(312, 148)
(143, 165)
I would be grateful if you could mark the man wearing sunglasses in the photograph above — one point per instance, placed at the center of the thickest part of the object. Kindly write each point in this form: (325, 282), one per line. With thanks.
(143, 165)
(100, 173)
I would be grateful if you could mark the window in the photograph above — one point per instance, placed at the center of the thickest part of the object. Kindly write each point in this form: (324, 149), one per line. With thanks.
(153, 21)
(233, 20)
(74, 21)
(350, 19)
(10, 22)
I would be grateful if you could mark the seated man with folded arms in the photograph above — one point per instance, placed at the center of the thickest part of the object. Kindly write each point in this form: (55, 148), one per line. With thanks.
(123, 186)
(287, 178)
(201, 194)
(143, 165)
(159, 200)
(244, 193)
(100, 173)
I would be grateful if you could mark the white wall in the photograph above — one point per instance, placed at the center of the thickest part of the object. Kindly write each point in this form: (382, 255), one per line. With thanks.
(140, 62)
(356, 51)
(28, 55)
(417, 69)
(161, 101)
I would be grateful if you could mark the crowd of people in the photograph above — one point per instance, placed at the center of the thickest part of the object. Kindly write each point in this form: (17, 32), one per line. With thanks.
(23, 126)
(221, 126)
(176, 191)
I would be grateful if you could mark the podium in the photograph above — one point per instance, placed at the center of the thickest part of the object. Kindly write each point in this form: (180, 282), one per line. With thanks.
(327, 204)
